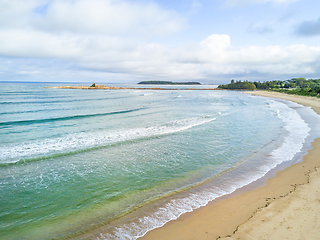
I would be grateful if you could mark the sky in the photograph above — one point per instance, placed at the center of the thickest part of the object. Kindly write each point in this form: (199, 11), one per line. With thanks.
(127, 41)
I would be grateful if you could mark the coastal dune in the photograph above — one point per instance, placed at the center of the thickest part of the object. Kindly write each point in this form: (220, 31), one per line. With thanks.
(285, 207)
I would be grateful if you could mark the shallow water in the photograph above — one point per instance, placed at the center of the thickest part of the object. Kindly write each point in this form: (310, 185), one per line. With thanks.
(75, 159)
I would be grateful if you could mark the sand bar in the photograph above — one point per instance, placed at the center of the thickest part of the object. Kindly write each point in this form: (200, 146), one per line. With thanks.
(102, 87)
(287, 207)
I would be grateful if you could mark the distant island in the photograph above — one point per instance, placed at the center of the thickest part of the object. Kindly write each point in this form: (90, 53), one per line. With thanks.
(169, 83)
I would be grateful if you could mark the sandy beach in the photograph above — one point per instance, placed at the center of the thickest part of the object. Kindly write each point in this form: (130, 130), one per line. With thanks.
(285, 207)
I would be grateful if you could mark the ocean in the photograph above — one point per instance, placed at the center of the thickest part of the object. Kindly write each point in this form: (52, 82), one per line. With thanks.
(114, 164)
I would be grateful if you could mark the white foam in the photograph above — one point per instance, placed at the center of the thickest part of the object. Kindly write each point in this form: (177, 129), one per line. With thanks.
(297, 132)
(85, 140)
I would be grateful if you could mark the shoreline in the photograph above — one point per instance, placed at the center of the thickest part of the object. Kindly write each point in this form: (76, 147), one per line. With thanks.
(306, 101)
(245, 213)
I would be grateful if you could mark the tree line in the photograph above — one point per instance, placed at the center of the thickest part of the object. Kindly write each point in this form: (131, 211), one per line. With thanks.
(298, 86)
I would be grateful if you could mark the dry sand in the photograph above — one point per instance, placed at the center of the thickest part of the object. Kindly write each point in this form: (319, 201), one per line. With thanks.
(312, 102)
(287, 207)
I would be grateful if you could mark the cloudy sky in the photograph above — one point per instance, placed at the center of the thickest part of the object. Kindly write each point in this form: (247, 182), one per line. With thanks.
(125, 41)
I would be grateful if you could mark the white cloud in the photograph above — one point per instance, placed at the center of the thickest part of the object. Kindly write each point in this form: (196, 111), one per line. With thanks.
(16, 13)
(35, 44)
(213, 56)
(111, 17)
(295, 59)
(102, 38)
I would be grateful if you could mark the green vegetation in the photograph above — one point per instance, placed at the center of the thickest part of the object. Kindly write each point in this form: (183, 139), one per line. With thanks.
(169, 83)
(238, 85)
(297, 86)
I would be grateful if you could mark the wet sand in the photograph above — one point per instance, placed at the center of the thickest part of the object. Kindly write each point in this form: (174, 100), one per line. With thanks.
(286, 207)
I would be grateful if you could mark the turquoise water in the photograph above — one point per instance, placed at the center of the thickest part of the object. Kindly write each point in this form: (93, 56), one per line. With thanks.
(71, 160)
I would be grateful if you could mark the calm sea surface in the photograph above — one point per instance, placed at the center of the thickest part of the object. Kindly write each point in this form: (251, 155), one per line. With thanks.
(114, 164)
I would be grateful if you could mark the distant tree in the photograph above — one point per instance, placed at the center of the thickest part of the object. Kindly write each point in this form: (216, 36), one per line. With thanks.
(298, 86)
(239, 85)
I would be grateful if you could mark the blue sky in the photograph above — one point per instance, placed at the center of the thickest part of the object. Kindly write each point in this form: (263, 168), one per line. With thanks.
(126, 41)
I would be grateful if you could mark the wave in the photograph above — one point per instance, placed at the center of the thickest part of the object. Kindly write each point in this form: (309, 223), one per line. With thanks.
(84, 141)
(298, 131)
(28, 122)
(50, 101)
(21, 93)
(31, 111)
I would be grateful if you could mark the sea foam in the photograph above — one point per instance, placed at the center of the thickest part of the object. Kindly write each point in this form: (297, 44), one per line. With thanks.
(298, 131)
(87, 140)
